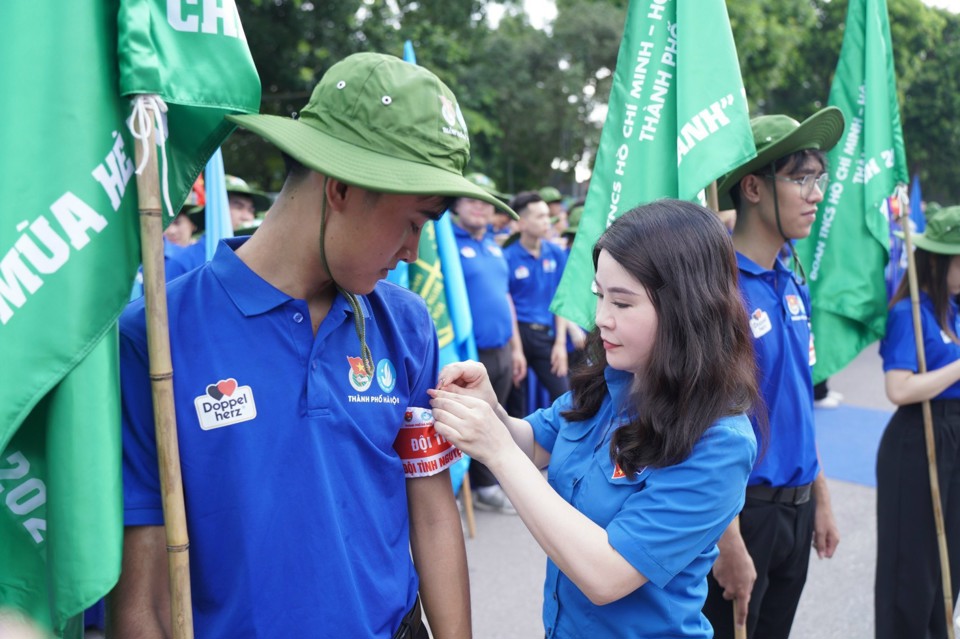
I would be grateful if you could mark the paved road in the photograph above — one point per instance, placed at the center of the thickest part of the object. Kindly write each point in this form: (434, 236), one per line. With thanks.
(507, 566)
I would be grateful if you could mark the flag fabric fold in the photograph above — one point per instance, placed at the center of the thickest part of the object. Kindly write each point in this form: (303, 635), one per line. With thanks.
(848, 248)
(677, 119)
(69, 249)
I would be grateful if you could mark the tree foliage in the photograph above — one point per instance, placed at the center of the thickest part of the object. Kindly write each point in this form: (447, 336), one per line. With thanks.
(531, 97)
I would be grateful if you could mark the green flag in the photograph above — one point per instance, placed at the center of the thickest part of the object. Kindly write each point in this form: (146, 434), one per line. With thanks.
(426, 280)
(69, 249)
(848, 247)
(677, 120)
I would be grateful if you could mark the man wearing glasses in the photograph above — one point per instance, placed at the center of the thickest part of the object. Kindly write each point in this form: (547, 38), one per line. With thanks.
(764, 555)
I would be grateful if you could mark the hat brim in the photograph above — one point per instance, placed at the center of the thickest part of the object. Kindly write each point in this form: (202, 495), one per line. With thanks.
(261, 202)
(931, 246)
(820, 131)
(359, 166)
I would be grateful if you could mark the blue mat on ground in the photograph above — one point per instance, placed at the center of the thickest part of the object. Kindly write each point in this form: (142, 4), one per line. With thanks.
(848, 438)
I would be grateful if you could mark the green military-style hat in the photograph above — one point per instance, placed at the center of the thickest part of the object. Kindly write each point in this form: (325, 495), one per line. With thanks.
(382, 124)
(573, 218)
(550, 194)
(777, 136)
(488, 185)
(942, 233)
(261, 201)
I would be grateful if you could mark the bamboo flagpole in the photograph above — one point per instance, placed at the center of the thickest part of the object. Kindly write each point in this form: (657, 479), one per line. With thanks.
(145, 127)
(927, 420)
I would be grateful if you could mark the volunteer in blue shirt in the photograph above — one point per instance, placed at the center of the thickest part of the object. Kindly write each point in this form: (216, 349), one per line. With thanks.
(317, 496)
(765, 553)
(487, 279)
(909, 599)
(535, 269)
(649, 454)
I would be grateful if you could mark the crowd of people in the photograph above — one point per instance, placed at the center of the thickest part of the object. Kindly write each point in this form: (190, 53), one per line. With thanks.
(683, 489)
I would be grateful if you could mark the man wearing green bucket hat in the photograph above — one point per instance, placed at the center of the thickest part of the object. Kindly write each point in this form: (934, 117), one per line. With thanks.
(317, 492)
(908, 591)
(764, 556)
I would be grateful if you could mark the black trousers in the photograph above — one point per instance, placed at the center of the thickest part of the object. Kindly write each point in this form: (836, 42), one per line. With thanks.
(537, 345)
(499, 365)
(908, 595)
(778, 537)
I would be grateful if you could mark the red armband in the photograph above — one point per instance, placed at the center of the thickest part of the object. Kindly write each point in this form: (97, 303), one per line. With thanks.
(422, 449)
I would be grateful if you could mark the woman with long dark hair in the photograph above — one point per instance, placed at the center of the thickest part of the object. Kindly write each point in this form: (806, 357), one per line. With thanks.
(650, 451)
(908, 592)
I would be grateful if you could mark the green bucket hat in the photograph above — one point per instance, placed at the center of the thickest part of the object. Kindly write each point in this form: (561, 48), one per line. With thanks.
(942, 234)
(487, 185)
(261, 201)
(382, 124)
(777, 136)
(573, 218)
(550, 194)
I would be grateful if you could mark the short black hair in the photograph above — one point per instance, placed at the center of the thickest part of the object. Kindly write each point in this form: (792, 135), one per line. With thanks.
(524, 199)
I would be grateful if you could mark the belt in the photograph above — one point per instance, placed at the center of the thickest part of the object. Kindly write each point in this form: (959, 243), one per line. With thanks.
(794, 495)
(411, 622)
(540, 328)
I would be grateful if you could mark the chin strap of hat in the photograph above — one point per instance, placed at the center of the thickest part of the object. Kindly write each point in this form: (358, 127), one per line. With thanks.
(797, 266)
(358, 320)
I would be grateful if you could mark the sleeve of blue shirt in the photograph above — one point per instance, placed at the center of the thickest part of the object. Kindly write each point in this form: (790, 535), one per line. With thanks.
(683, 509)
(546, 422)
(142, 502)
(898, 348)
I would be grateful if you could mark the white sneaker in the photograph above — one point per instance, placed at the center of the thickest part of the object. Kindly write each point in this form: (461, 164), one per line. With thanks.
(832, 400)
(493, 498)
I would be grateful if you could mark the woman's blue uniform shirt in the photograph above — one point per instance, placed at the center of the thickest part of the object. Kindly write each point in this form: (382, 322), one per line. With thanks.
(899, 350)
(664, 521)
(298, 516)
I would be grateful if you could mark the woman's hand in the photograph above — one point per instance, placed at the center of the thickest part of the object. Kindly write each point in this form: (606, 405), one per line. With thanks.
(468, 379)
(470, 423)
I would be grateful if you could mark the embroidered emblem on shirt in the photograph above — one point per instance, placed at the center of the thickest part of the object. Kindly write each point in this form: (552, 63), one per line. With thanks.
(549, 265)
(225, 403)
(468, 252)
(495, 250)
(618, 472)
(946, 338)
(794, 304)
(522, 272)
(760, 323)
(386, 375)
(360, 379)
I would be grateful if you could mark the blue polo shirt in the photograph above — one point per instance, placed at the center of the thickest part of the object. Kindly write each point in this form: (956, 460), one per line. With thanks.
(487, 278)
(534, 280)
(899, 350)
(778, 310)
(664, 521)
(295, 498)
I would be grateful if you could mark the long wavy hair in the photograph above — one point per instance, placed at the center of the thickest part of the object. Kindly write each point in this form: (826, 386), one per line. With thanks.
(702, 365)
(932, 269)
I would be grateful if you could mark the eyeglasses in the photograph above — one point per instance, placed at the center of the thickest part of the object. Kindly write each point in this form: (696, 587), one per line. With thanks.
(806, 183)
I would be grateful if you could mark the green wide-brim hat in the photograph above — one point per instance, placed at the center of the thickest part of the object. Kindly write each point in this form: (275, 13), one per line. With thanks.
(382, 124)
(777, 136)
(942, 233)
(550, 194)
(261, 201)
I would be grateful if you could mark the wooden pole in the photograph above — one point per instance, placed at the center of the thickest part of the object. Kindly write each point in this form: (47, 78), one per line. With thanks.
(161, 383)
(928, 427)
(468, 505)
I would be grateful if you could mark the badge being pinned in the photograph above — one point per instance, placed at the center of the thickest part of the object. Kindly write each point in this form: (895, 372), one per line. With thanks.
(225, 403)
